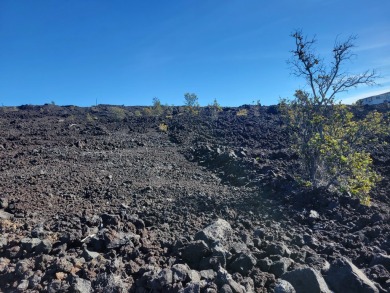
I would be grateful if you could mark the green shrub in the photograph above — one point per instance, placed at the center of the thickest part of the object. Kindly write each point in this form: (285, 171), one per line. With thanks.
(148, 111)
(329, 141)
(157, 107)
(163, 127)
(191, 100)
(118, 113)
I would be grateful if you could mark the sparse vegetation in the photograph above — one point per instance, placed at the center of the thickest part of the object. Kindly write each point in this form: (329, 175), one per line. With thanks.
(118, 113)
(157, 107)
(191, 100)
(215, 109)
(242, 112)
(329, 141)
(89, 117)
(163, 127)
(148, 111)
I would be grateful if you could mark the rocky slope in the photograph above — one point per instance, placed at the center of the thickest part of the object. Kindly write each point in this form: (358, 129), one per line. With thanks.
(102, 199)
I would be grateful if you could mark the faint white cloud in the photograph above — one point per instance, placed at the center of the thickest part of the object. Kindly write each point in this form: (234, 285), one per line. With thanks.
(373, 46)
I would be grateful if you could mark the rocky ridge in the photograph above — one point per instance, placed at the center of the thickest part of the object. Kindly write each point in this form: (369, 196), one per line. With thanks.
(93, 202)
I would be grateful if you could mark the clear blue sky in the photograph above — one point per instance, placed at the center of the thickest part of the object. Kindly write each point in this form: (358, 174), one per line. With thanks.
(127, 52)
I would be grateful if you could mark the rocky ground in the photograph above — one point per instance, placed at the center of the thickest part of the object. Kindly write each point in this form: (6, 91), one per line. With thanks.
(113, 199)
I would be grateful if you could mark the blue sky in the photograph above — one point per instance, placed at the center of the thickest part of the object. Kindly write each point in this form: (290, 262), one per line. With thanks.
(127, 52)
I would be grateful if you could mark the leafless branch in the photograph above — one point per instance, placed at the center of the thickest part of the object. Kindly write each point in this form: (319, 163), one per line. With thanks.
(325, 83)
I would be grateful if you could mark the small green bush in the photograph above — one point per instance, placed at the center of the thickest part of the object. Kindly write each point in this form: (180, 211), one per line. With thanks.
(163, 127)
(118, 113)
(157, 107)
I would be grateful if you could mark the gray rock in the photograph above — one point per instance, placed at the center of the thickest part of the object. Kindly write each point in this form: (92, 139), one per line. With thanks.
(110, 219)
(238, 247)
(281, 266)
(194, 252)
(63, 265)
(110, 283)
(34, 281)
(219, 232)
(23, 285)
(264, 264)
(138, 223)
(181, 272)
(54, 286)
(207, 275)
(4, 262)
(89, 255)
(306, 280)
(81, 285)
(165, 277)
(24, 268)
(3, 241)
(313, 214)
(248, 284)
(318, 263)
(257, 242)
(226, 289)
(219, 257)
(259, 233)
(6, 216)
(191, 288)
(278, 249)
(298, 240)
(194, 276)
(29, 244)
(311, 241)
(381, 259)
(210, 262)
(44, 247)
(344, 276)
(282, 286)
(38, 231)
(223, 277)
(114, 239)
(3, 202)
(243, 263)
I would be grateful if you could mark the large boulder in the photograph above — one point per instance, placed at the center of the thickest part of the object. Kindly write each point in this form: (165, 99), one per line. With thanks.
(343, 276)
(219, 232)
(306, 280)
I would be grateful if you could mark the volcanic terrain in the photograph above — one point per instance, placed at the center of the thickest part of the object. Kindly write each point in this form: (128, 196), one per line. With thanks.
(118, 199)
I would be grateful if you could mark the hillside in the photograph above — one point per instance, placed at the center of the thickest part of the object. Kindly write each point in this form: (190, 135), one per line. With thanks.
(114, 199)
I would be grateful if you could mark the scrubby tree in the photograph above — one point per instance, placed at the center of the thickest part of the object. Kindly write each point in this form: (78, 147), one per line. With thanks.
(157, 107)
(191, 100)
(327, 138)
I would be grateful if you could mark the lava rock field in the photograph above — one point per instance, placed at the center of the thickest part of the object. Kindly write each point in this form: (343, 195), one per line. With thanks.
(105, 199)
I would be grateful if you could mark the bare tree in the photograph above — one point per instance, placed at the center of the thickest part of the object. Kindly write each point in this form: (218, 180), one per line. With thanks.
(326, 82)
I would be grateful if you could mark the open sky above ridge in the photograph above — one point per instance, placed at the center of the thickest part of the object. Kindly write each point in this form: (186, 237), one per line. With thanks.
(127, 52)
